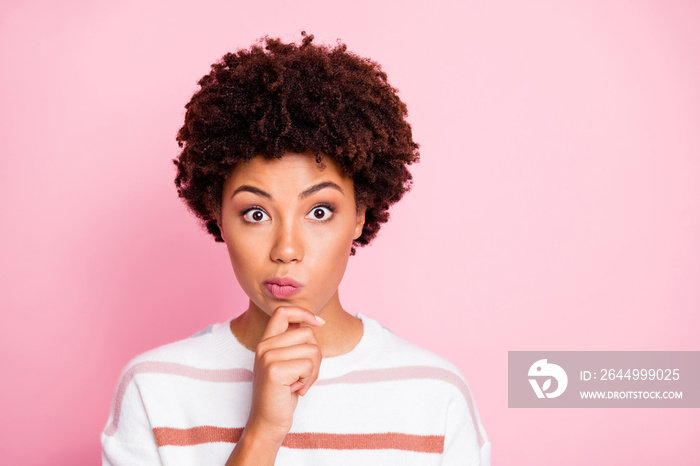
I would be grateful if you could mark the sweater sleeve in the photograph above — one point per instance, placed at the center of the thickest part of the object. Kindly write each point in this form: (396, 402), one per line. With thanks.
(128, 437)
(466, 443)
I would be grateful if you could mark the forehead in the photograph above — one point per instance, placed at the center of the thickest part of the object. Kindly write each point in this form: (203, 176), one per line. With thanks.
(291, 171)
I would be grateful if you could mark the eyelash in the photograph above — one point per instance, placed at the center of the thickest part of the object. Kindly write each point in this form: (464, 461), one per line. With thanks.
(245, 211)
(327, 206)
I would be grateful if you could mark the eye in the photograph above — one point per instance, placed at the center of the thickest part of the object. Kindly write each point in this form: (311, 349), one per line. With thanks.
(321, 212)
(255, 215)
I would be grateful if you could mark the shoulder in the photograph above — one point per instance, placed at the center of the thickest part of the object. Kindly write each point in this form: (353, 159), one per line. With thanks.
(202, 347)
(397, 351)
(465, 436)
(211, 353)
(396, 358)
(162, 376)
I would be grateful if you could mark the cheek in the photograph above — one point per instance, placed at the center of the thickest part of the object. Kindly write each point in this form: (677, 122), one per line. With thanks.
(243, 260)
(332, 251)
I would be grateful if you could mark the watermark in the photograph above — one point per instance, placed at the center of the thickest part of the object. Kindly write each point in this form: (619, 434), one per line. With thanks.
(543, 369)
(604, 379)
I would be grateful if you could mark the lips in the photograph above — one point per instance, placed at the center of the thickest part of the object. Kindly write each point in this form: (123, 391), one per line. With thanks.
(282, 287)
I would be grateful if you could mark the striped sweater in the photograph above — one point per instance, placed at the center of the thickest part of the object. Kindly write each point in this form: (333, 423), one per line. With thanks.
(385, 402)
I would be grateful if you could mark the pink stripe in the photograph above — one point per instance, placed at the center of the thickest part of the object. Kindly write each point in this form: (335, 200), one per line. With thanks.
(304, 440)
(390, 374)
(158, 367)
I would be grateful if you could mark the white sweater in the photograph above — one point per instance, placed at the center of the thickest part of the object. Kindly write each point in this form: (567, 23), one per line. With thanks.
(385, 402)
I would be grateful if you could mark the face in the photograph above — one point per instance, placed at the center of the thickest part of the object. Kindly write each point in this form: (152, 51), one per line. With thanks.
(289, 226)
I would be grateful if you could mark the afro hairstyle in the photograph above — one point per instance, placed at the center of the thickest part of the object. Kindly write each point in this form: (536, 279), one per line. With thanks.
(281, 97)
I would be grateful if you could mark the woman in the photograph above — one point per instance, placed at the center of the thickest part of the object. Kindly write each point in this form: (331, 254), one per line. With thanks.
(292, 155)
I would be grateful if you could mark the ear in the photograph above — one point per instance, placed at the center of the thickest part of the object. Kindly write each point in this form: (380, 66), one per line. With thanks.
(359, 225)
(218, 224)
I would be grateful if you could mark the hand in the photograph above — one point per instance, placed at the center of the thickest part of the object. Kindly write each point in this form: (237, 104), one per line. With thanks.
(287, 362)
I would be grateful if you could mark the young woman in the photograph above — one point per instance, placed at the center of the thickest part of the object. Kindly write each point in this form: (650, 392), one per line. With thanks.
(292, 155)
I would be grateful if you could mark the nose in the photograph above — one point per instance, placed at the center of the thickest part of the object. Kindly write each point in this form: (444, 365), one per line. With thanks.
(288, 245)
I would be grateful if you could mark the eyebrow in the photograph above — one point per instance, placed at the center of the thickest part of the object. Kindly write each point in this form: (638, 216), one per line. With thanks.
(308, 192)
(317, 187)
(251, 189)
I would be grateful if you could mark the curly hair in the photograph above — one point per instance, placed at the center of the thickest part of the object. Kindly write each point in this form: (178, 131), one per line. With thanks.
(282, 97)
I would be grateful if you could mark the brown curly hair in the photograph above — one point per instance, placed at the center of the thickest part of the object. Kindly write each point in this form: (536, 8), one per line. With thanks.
(282, 97)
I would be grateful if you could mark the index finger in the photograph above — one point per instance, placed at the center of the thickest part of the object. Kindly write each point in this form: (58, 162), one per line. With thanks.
(286, 315)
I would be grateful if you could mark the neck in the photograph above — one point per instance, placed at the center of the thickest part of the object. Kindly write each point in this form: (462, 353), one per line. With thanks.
(339, 336)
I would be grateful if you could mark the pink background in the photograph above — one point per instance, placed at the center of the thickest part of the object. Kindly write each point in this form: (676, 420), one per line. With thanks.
(555, 208)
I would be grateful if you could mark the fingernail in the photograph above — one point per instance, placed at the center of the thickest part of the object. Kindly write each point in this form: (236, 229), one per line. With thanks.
(320, 320)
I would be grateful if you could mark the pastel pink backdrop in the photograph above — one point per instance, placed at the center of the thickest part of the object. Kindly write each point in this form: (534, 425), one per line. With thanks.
(555, 207)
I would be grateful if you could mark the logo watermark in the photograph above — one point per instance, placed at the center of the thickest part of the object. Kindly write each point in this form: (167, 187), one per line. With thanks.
(550, 371)
(604, 379)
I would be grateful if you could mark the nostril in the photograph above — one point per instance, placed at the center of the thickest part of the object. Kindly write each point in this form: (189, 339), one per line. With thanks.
(289, 245)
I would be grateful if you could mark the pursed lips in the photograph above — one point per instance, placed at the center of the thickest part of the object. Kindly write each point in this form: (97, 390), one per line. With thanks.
(282, 287)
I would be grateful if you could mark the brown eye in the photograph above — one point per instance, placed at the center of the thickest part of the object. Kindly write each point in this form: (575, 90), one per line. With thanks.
(320, 213)
(255, 216)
